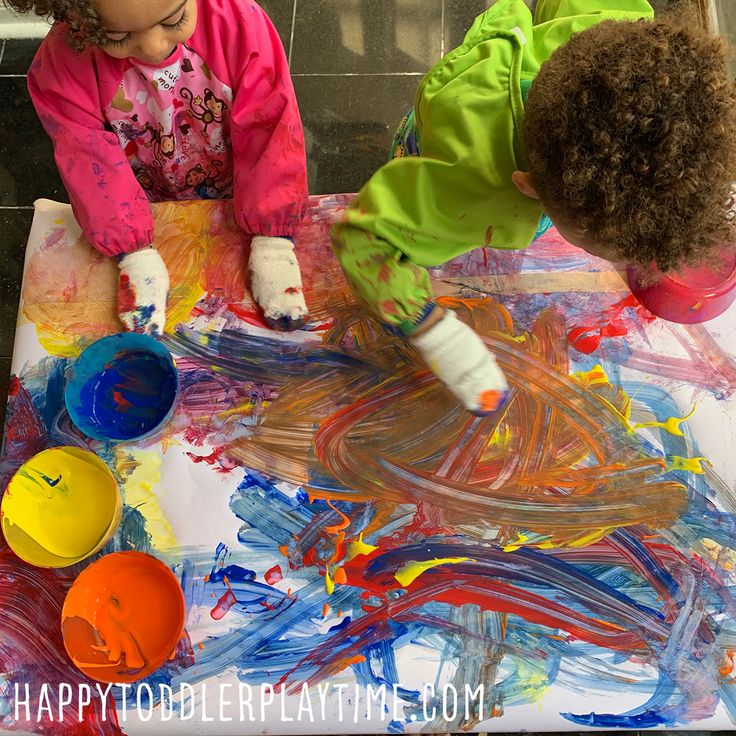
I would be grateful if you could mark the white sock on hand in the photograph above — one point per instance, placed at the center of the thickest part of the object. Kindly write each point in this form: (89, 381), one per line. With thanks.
(458, 357)
(276, 282)
(142, 291)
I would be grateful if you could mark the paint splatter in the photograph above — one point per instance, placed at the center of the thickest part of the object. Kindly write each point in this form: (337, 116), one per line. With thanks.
(274, 575)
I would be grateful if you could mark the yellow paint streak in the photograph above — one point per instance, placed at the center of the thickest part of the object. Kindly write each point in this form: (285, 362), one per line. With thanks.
(59, 343)
(584, 540)
(521, 539)
(407, 574)
(624, 417)
(672, 425)
(359, 547)
(245, 408)
(140, 471)
(500, 438)
(329, 584)
(596, 376)
(590, 538)
(689, 464)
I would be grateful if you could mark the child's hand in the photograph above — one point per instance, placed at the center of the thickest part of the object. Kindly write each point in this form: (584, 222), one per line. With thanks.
(143, 290)
(458, 357)
(276, 282)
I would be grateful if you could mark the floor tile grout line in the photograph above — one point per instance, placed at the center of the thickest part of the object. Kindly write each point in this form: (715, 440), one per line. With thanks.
(293, 28)
(442, 30)
(2, 51)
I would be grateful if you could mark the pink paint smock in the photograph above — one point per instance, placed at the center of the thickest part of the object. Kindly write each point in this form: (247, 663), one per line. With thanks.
(217, 118)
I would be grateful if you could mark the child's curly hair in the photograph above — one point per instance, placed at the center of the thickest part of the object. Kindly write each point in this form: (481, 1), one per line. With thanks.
(84, 23)
(630, 136)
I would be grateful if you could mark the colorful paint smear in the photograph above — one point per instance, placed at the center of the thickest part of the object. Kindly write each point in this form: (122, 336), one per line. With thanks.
(123, 617)
(60, 507)
(579, 539)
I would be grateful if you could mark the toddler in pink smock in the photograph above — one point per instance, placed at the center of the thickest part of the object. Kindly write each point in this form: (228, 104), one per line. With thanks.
(156, 100)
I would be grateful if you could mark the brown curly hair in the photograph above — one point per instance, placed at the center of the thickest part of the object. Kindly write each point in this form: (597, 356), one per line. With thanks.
(84, 23)
(630, 136)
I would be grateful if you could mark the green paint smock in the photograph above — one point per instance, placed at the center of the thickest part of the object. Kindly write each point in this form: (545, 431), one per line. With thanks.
(420, 211)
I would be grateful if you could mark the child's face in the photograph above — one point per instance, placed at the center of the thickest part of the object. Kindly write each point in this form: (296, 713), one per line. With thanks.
(148, 30)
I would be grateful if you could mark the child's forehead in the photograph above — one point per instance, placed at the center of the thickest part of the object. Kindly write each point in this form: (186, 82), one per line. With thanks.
(133, 16)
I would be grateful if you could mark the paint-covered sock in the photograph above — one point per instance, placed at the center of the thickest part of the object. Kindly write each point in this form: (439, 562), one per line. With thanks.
(457, 356)
(143, 291)
(276, 282)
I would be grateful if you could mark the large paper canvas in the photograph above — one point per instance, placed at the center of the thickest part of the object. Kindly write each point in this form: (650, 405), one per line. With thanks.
(357, 553)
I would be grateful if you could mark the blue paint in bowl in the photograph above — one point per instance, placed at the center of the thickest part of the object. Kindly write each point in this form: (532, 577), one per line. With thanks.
(122, 388)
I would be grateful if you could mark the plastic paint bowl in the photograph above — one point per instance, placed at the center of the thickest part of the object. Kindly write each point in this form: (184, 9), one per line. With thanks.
(123, 617)
(694, 294)
(122, 388)
(60, 507)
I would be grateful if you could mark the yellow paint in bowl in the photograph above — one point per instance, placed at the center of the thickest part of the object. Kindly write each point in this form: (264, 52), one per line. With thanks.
(60, 507)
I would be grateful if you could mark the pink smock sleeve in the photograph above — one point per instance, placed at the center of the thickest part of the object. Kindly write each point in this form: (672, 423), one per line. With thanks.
(270, 187)
(108, 202)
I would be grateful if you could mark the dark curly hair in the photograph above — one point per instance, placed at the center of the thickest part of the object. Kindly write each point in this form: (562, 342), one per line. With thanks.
(84, 23)
(630, 136)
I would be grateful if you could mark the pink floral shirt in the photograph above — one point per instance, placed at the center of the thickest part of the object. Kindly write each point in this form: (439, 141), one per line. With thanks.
(218, 118)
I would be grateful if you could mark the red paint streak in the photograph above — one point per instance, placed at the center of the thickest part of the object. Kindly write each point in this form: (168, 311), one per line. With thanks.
(274, 575)
(215, 458)
(587, 338)
(126, 295)
(249, 315)
(389, 307)
(586, 344)
(25, 431)
(488, 594)
(120, 401)
(226, 602)
(196, 436)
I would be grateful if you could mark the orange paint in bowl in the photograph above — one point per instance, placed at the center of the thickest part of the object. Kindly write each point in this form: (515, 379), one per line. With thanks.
(123, 617)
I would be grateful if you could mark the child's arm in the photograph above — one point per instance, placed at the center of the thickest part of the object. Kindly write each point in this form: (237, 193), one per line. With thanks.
(270, 170)
(267, 134)
(108, 202)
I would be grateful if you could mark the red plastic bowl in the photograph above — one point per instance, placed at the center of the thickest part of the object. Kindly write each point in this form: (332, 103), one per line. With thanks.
(692, 295)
